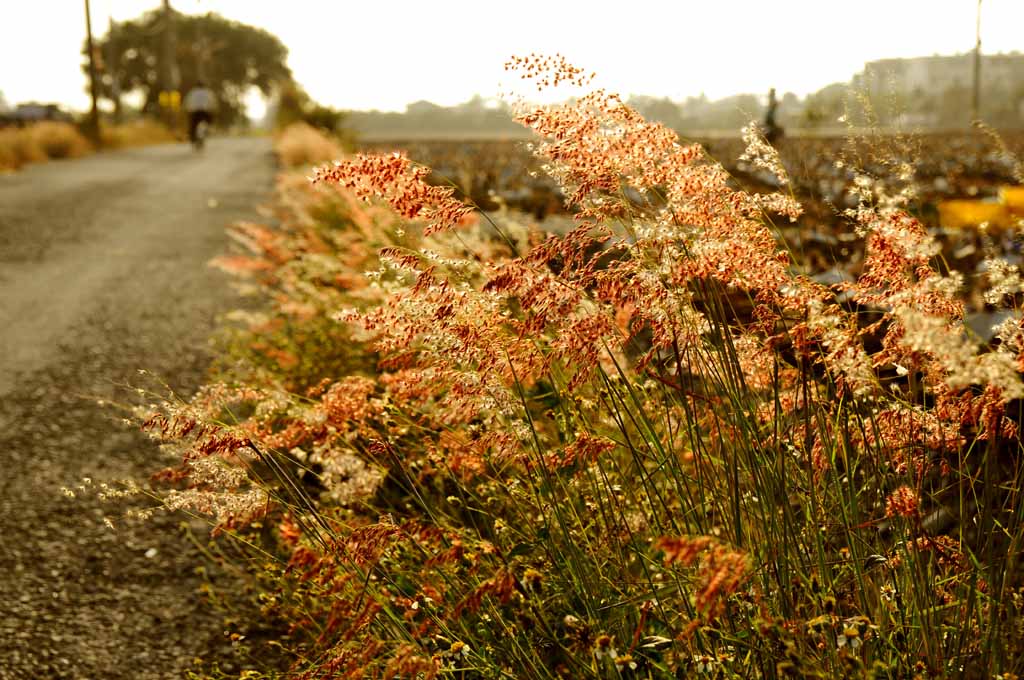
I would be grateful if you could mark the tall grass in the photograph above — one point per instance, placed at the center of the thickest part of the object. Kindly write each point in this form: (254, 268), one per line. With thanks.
(18, 148)
(300, 144)
(139, 132)
(49, 140)
(58, 140)
(648, 448)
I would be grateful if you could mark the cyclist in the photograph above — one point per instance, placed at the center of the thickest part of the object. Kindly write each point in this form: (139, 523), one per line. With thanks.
(200, 105)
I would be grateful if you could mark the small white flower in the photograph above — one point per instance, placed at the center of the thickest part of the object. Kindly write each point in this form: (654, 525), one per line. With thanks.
(458, 649)
(705, 664)
(853, 642)
(605, 647)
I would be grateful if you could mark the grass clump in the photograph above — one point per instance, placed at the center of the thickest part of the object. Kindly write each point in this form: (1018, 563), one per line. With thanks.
(139, 132)
(39, 142)
(648, 448)
(17, 148)
(300, 144)
(52, 140)
(58, 140)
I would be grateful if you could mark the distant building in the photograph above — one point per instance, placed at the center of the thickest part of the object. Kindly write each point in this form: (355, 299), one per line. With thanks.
(944, 81)
(922, 73)
(940, 73)
(33, 112)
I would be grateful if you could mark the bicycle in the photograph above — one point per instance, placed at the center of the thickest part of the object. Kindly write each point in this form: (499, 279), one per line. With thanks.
(199, 139)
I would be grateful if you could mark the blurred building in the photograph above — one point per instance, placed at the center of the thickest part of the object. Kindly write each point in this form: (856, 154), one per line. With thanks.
(934, 90)
(940, 73)
(25, 114)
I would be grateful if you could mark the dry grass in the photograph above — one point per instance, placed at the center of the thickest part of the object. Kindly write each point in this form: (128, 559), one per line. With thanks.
(301, 144)
(58, 140)
(647, 448)
(18, 148)
(141, 132)
(40, 142)
(50, 140)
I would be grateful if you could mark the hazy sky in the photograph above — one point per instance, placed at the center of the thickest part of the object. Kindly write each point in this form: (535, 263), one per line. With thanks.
(385, 54)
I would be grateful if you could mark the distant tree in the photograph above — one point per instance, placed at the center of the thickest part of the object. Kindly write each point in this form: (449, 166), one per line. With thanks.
(423, 108)
(661, 109)
(475, 105)
(477, 115)
(732, 113)
(295, 105)
(3, 103)
(825, 106)
(230, 57)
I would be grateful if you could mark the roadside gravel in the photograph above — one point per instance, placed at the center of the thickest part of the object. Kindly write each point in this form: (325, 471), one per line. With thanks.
(102, 273)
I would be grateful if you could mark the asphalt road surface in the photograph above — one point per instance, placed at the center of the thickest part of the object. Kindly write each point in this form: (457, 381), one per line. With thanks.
(102, 273)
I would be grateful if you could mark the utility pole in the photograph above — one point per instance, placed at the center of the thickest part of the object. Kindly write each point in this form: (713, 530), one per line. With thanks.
(94, 112)
(976, 94)
(112, 63)
(169, 95)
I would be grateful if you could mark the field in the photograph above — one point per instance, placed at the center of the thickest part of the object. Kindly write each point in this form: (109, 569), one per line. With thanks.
(962, 172)
(950, 165)
(639, 408)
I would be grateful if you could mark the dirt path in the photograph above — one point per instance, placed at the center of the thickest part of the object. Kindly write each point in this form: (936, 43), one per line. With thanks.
(103, 272)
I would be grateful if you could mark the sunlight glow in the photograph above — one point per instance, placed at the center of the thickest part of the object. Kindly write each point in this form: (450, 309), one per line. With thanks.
(385, 55)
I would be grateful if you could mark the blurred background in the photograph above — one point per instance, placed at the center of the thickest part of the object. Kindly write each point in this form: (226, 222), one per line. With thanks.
(428, 78)
(706, 66)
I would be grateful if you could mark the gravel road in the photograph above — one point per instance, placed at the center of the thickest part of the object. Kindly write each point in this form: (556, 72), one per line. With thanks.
(103, 272)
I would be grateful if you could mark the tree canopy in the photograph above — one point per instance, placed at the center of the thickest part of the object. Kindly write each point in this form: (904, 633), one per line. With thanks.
(294, 104)
(228, 56)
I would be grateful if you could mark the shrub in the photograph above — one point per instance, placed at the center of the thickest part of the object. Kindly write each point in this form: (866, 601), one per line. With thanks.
(59, 140)
(18, 147)
(300, 144)
(39, 142)
(647, 448)
(140, 132)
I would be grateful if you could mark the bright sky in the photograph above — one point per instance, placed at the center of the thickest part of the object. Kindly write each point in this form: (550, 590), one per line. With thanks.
(362, 54)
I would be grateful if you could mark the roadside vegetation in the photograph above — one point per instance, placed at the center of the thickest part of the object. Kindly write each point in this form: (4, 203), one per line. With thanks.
(300, 144)
(139, 132)
(40, 142)
(51, 140)
(452, 444)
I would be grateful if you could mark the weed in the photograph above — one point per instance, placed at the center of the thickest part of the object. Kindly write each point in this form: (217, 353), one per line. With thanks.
(647, 448)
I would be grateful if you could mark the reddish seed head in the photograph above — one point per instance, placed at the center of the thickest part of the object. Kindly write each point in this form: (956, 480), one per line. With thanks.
(903, 502)
(401, 184)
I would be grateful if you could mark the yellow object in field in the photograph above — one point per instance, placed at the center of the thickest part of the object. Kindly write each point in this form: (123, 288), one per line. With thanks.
(170, 100)
(967, 214)
(1012, 198)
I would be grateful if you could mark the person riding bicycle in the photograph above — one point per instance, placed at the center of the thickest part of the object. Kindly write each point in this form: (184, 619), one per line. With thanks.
(200, 105)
